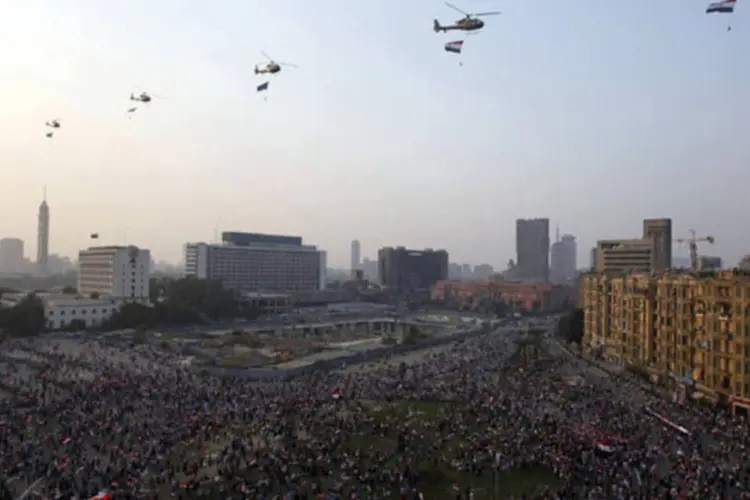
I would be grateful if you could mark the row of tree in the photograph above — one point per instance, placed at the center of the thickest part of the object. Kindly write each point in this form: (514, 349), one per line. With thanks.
(570, 326)
(176, 302)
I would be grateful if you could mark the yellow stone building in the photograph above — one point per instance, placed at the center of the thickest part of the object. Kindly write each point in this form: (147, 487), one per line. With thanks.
(688, 330)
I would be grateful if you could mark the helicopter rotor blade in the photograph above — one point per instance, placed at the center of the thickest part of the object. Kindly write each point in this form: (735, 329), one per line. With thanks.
(268, 59)
(456, 8)
(287, 64)
(486, 14)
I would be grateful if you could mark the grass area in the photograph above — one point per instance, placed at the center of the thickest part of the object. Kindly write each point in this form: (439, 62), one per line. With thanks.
(436, 480)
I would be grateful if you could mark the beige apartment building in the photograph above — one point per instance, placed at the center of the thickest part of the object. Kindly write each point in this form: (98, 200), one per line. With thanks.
(685, 330)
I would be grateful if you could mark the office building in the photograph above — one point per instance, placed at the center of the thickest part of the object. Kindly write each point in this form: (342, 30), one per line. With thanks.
(405, 270)
(121, 272)
(563, 258)
(253, 262)
(708, 263)
(532, 249)
(659, 230)
(356, 253)
(624, 256)
(11, 255)
(685, 330)
(592, 259)
(42, 242)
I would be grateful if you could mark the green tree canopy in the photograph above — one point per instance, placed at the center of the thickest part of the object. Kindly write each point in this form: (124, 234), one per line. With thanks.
(26, 318)
(570, 326)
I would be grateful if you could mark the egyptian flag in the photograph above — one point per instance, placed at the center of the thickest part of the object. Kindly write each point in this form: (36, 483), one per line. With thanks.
(604, 447)
(336, 393)
(263, 86)
(454, 47)
(722, 7)
(102, 495)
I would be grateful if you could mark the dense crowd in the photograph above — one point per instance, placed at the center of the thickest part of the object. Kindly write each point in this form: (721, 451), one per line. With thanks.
(79, 418)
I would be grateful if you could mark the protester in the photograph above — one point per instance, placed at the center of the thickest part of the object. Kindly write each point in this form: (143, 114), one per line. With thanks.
(81, 418)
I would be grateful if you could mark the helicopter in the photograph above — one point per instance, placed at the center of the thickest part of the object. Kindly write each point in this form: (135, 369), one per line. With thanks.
(143, 97)
(469, 23)
(53, 123)
(270, 67)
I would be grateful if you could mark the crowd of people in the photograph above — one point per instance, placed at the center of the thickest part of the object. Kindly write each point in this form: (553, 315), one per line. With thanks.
(79, 418)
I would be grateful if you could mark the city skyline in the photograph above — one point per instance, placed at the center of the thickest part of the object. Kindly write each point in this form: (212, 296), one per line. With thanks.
(679, 252)
(385, 138)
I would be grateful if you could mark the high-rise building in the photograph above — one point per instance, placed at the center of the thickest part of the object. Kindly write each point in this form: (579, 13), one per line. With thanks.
(121, 272)
(404, 270)
(42, 242)
(532, 249)
(11, 255)
(563, 258)
(660, 230)
(356, 254)
(253, 262)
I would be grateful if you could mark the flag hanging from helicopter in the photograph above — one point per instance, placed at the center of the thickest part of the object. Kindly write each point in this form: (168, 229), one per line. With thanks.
(454, 47)
(263, 86)
(721, 7)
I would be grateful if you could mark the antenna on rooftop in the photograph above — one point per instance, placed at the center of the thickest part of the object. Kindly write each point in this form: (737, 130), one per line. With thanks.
(557, 232)
(216, 233)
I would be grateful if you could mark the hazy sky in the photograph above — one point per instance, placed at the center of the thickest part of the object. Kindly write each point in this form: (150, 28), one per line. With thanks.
(594, 114)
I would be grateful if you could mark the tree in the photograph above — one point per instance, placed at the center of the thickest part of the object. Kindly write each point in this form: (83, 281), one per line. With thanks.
(570, 326)
(500, 308)
(26, 318)
(76, 325)
(207, 297)
(69, 290)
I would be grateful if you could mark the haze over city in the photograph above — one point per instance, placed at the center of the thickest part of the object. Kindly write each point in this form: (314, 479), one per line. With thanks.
(595, 115)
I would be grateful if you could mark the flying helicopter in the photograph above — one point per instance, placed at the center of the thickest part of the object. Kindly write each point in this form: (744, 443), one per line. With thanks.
(470, 22)
(143, 97)
(53, 124)
(270, 67)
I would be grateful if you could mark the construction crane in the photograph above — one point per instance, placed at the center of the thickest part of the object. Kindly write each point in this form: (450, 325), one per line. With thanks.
(692, 244)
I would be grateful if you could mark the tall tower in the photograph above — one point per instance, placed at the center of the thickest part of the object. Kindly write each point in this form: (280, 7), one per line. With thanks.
(355, 255)
(42, 248)
(532, 249)
(660, 231)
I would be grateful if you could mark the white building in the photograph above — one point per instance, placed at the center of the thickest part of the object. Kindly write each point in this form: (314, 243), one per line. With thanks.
(60, 310)
(323, 266)
(356, 251)
(119, 272)
(258, 263)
